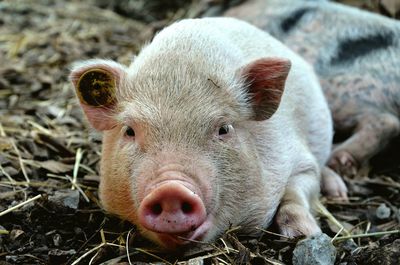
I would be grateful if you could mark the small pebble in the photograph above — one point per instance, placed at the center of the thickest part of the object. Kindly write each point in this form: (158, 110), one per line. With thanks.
(57, 240)
(66, 198)
(315, 250)
(15, 233)
(382, 212)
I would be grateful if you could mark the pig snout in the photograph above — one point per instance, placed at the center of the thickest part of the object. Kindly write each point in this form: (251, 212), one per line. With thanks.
(172, 208)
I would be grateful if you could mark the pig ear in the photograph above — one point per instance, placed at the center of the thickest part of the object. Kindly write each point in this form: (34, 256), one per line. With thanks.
(266, 81)
(95, 83)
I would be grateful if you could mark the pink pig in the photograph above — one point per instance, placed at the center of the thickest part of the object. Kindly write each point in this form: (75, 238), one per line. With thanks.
(214, 124)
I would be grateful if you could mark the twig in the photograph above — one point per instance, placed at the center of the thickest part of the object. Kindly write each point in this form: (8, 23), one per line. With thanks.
(331, 218)
(193, 240)
(78, 158)
(7, 175)
(211, 255)
(87, 241)
(272, 233)
(337, 234)
(233, 229)
(154, 256)
(226, 247)
(31, 184)
(69, 179)
(40, 127)
(222, 261)
(94, 249)
(21, 164)
(20, 205)
(368, 235)
(273, 262)
(2, 132)
(4, 232)
(88, 169)
(78, 188)
(127, 246)
(212, 81)
(88, 253)
(222, 252)
(94, 256)
(368, 227)
(103, 238)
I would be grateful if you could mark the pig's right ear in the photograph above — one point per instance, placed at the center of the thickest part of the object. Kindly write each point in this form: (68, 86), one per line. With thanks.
(95, 83)
(265, 79)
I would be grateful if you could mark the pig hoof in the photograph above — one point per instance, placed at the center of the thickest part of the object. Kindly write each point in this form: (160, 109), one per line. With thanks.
(343, 163)
(295, 220)
(332, 185)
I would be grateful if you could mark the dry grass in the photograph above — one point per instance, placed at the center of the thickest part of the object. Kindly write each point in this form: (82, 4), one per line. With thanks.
(45, 147)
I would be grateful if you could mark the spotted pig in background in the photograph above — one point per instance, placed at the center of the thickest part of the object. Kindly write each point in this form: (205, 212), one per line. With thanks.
(356, 55)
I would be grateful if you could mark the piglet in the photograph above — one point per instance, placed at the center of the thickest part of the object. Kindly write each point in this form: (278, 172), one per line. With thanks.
(214, 124)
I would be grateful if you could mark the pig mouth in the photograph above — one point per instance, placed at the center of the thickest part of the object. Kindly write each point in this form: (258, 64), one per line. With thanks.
(173, 241)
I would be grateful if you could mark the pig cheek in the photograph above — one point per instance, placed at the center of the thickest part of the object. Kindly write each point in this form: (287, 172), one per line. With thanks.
(115, 190)
(117, 199)
(243, 200)
(225, 187)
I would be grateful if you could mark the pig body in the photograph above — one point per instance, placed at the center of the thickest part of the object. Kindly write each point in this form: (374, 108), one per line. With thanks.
(356, 55)
(201, 134)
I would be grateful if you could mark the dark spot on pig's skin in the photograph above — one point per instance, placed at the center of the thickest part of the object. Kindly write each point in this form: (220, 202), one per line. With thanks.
(350, 49)
(294, 18)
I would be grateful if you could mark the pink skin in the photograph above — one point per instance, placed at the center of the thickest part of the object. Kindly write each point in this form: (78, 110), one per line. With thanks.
(173, 210)
(175, 182)
(343, 162)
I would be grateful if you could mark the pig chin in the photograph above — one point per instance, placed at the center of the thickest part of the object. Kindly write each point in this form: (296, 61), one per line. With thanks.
(176, 241)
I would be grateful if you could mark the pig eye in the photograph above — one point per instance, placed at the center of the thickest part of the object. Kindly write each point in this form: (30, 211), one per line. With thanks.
(129, 132)
(225, 129)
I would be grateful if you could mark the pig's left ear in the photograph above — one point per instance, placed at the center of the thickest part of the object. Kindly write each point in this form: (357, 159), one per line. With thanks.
(96, 82)
(265, 79)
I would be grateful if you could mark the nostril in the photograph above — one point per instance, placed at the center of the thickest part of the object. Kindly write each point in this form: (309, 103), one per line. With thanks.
(187, 208)
(156, 209)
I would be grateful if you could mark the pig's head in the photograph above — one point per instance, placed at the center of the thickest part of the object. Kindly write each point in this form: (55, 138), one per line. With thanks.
(180, 154)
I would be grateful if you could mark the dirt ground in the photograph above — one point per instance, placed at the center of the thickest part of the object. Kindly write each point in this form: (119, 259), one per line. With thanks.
(49, 209)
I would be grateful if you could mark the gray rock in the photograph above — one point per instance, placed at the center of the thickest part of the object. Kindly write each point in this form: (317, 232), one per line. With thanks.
(382, 212)
(66, 198)
(315, 250)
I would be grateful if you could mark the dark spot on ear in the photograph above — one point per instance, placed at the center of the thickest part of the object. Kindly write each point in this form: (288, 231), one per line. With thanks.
(294, 18)
(96, 88)
(351, 49)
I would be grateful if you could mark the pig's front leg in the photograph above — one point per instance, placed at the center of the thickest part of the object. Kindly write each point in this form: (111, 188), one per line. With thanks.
(372, 134)
(294, 216)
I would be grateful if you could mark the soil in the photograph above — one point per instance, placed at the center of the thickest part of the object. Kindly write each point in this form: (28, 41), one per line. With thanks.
(49, 156)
